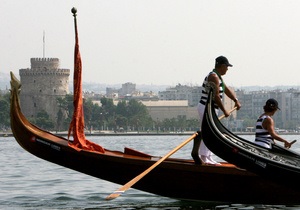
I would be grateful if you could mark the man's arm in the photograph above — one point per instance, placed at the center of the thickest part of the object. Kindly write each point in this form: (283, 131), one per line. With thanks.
(269, 125)
(215, 79)
(232, 96)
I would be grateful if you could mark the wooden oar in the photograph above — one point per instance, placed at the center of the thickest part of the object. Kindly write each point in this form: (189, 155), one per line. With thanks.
(137, 178)
(292, 142)
(234, 108)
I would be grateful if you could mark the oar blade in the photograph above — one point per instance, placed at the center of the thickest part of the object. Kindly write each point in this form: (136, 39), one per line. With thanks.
(114, 195)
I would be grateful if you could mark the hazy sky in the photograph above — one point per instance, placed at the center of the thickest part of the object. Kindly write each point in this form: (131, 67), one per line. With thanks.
(160, 42)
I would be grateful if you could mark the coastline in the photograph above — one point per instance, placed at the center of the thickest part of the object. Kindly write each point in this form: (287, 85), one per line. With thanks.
(111, 133)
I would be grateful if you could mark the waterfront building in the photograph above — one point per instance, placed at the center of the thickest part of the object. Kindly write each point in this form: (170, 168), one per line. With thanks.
(42, 84)
(161, 110)
(182, 92)
(127, 89)
(253, 102)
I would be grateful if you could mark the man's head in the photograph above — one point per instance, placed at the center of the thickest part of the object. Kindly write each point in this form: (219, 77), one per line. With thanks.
(221, 60)
(271, 105)
(222, 64)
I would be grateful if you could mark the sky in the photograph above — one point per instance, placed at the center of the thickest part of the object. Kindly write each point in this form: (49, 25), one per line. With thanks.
(157, 42)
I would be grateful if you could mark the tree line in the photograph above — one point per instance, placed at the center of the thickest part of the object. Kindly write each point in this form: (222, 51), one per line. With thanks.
(127, 115)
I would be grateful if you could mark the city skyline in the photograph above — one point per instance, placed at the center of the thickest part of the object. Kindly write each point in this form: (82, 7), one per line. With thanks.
(157, 42)
(101, 87)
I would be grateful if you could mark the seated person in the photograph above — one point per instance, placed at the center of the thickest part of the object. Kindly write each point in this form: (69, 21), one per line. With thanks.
(265, 131)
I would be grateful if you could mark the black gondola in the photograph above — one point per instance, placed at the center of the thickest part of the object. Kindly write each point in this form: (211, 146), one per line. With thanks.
(278, 164)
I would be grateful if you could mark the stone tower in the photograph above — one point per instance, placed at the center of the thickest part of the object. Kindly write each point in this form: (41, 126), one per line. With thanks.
(41, 85)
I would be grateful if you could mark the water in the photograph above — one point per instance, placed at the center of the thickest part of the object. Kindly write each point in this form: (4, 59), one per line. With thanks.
(27, 182)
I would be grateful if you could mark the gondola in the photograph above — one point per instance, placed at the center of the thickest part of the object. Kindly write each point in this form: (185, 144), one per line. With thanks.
(175, 178)
(277, 164)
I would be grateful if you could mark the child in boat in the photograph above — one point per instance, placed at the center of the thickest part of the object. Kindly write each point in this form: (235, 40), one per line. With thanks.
(265, 131)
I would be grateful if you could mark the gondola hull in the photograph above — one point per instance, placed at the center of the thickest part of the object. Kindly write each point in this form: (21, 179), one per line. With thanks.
(278, 164)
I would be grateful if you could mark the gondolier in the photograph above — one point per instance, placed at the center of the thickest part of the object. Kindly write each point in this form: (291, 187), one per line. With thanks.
(215, 76)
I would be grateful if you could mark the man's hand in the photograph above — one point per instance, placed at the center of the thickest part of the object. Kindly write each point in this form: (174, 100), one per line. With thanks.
(237, 104)
(226, 113)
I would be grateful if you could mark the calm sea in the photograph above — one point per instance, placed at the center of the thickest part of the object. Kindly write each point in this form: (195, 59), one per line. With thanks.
(27, 182)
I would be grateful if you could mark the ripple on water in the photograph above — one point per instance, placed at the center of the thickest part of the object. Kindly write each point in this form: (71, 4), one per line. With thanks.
(29, 183)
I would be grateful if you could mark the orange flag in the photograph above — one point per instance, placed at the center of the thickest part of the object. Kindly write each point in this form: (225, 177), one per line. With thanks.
(77, 124)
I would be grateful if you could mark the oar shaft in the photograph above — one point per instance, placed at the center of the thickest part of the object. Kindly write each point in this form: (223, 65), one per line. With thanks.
(292, 142)
(234, 108)
(137, 178)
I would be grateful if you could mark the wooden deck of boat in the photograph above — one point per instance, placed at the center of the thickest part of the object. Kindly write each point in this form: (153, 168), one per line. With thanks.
(128, 152)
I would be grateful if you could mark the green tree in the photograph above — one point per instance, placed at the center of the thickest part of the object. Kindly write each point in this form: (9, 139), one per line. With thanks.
(122, 109)
(65, 112)
(4, 112)
(108, 106)
(121, 121)
(137, 112)
(43, 120)
(60, 120)
(170, 124)
(193, 124)
(97, 120)
(69, 107)
(109, 112)
(88, 112)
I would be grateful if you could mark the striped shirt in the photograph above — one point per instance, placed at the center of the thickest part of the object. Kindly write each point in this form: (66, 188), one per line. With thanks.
(262, 135)
(204, 95)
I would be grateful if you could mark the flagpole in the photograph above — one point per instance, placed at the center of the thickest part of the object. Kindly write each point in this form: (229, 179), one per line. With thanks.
(74, 11)
(77, 124)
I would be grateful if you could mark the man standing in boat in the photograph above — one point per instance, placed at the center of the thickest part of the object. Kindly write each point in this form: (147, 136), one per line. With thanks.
(215, 76)
(265, 130)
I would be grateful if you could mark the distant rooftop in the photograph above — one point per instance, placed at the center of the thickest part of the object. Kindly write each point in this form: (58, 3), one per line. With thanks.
(165, 103)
